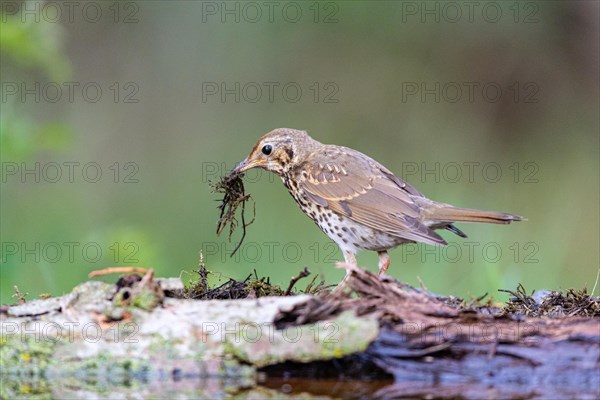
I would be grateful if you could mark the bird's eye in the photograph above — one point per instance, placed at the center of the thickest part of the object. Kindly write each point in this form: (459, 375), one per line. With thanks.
(266, 150)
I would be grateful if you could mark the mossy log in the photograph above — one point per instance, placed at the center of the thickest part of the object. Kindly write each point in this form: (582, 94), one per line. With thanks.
(415, 342)
(473, 350)
(106, 332)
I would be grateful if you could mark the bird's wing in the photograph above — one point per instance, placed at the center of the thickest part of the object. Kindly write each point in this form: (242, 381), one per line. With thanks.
(361, 189)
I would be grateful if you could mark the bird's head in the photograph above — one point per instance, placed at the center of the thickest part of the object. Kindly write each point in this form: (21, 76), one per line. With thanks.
(278, 151)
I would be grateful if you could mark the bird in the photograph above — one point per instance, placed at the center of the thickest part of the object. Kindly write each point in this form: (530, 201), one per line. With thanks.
(359, 203)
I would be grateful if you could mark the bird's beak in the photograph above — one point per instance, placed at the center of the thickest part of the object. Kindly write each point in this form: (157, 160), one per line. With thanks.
(246, 165)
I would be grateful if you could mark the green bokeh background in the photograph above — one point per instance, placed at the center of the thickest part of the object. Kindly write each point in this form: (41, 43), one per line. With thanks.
(365, 56)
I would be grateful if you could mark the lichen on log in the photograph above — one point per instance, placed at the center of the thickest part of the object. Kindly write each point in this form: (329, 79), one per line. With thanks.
(142, 329)
(93, 330)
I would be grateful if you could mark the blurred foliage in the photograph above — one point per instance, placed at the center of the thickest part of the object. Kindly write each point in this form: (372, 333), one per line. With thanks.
(22, 137)
(35, 46)
(30, 48)
(179, 140)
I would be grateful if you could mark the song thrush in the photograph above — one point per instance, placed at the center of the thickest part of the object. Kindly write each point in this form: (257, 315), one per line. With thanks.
(356, 201)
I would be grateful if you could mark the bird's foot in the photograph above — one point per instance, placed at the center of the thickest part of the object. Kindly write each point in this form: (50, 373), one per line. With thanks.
(384, 262)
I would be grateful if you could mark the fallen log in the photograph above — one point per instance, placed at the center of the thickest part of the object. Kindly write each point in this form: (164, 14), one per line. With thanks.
(381, 338)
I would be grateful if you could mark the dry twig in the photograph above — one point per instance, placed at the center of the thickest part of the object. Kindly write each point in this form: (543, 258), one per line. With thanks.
(118, 270)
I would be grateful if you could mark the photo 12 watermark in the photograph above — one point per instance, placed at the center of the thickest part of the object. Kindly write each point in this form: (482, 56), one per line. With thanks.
(38, 11)
(69, 92)
(69, 172)
(494, 333)
(327, 332)
(212, 171)
(469, 92)
(70, 331)
(468, 172)
(453, 12)
(68, 252)
(467, 251)
(453, 172)
(253, 12)
(323, 332)
(269, 92)
(471, 252)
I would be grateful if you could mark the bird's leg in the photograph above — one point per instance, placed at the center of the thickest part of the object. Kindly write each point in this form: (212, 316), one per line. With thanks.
(384, 261)
(349, 258)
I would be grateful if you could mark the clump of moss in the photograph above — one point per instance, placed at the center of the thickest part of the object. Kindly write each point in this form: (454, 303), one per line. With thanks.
(137, 291)
(234, 197)
(569, 303)
(473, 304)
(251, 287)
(25, 354)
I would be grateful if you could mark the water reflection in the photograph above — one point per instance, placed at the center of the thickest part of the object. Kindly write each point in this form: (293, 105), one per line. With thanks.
(166, 387)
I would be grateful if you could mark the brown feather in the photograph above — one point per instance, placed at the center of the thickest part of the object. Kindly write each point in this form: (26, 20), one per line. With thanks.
(365, 192)
(447, 213)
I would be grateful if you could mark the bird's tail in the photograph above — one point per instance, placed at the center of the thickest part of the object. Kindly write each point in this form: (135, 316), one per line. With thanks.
(438, 212)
